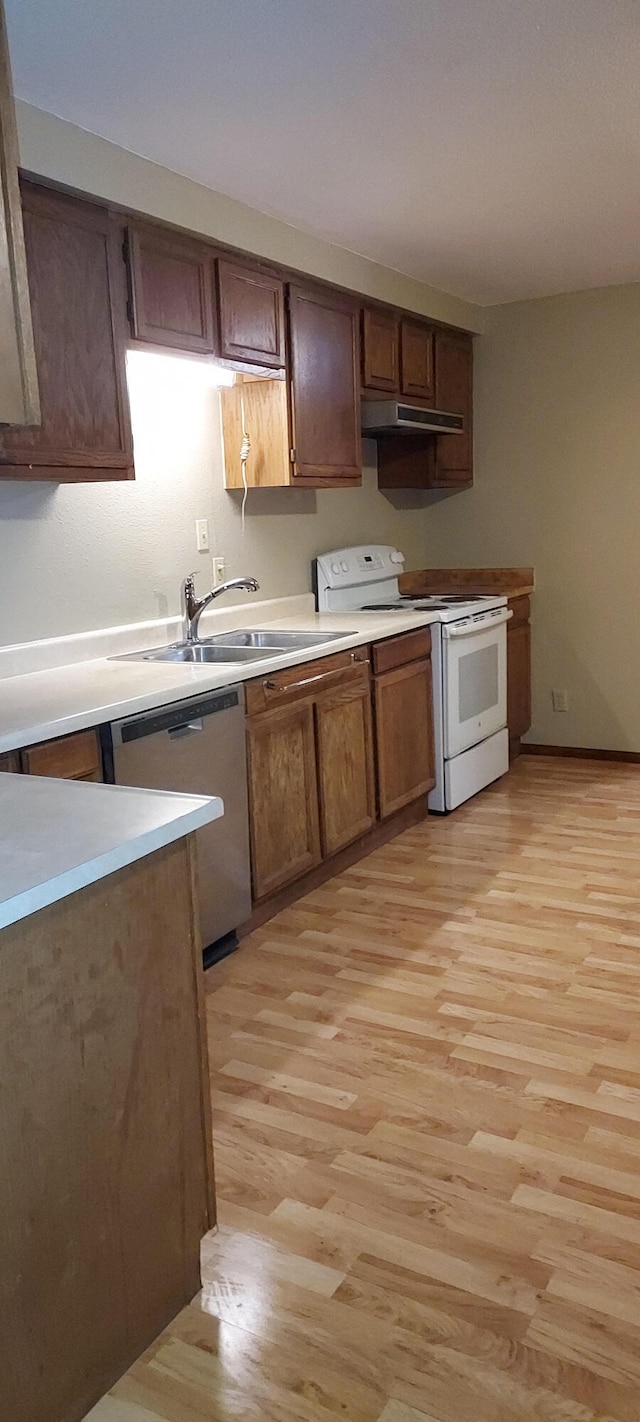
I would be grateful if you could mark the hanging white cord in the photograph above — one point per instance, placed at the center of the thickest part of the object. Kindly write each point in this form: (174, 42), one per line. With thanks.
(245, 446)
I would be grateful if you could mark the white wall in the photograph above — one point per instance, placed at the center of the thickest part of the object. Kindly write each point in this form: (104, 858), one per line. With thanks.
(78, 557)
(557, 431)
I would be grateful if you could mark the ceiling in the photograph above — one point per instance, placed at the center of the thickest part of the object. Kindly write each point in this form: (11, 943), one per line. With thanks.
(488, 147)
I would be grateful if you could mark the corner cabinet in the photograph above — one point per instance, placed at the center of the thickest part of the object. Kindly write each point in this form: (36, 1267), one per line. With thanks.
(77, 284)
(324, 389)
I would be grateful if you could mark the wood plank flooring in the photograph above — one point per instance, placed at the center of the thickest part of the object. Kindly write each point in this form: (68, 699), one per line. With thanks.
(426, 1091)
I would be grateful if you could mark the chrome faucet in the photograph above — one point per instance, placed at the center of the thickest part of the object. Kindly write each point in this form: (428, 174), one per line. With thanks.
(193, 607)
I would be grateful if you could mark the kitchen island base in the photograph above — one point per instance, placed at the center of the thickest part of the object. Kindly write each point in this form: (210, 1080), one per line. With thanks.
(106, 1169)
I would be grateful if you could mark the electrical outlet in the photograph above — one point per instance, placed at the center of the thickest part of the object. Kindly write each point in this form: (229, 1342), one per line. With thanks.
(218, 571)
(560, 700)
(202, 535)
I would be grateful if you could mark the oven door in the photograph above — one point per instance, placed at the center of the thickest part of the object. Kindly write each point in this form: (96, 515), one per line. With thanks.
(474, 680)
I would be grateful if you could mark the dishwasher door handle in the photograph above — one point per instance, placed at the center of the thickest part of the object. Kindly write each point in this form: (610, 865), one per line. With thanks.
(187, 728)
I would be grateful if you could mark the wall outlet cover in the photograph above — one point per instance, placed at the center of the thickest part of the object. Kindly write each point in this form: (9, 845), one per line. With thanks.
(560, 700)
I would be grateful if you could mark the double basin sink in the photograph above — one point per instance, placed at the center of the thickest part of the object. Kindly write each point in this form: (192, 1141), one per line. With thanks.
(246, 645)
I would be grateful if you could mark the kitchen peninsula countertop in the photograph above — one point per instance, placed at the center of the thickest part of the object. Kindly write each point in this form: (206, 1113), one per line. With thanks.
(57, 836)
(40, 705)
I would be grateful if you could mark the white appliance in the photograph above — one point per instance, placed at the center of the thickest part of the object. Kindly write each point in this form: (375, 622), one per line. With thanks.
(469, 655)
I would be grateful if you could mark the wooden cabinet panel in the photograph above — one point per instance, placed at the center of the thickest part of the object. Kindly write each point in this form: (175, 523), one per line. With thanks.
(283, 796)
(19, 401)
(10, 762)
(417, 374)
(454, 393)
(405, 754)
(75, 757)
(171, 289)
(77, 283)
(518, 670)
(250, 314)
(345, 763)
(397, 651)
(261, 408)
(307, 680)
(380, 350)
(325, 388)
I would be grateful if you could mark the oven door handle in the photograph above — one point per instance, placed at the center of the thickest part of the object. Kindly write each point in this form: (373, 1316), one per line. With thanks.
(473, 629)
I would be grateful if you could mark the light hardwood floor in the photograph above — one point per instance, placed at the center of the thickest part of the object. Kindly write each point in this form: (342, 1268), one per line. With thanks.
(426, 1088)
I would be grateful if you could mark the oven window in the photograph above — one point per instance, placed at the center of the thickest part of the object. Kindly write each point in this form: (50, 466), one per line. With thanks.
(477, 682)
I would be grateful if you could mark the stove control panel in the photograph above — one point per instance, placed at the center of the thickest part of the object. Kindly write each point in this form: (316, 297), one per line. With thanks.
(355, 567)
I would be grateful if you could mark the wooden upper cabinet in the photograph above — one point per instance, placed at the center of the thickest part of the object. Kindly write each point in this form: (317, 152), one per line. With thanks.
(19, 401)
(324, 388)
(77, 284)
(454, 393)
(417, 362)
(171, 302)
(380, 350)
(250, 315)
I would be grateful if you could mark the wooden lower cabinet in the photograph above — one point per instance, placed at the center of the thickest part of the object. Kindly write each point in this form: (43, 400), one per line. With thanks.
(403, 703)
(75, 757)
(518, 671)
(345, 764)
(283, 796)
(405, 753)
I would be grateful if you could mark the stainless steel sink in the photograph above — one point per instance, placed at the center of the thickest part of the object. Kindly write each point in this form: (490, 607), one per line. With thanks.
(197, 653)
(246, 645)
(277, 641)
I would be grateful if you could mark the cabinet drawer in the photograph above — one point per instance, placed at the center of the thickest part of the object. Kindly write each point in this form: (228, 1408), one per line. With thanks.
(307, 680)
(74, 757)
(397, 651)
(10, 762)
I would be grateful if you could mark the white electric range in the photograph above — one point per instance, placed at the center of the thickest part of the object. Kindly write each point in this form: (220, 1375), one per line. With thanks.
(469, 655)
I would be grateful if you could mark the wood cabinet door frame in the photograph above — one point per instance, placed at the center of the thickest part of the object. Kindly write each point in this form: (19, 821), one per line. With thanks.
(181, 250)
(387, 729)
(416, 340)
(30, 449)
(300, 714)
(380, 329)
(231, 276)
(311, 373)
(333, 768)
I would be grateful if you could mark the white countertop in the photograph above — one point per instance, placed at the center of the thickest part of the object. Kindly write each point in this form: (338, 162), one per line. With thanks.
(56, 836)
(40, 705)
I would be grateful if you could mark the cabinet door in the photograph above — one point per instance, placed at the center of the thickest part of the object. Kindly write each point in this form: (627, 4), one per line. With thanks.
(77, 282)
(380, 351)
(171, 290)
(75, 757)
(345, 764)
(454, 393)
(250, 314)
(283, 796)
(405, 753)
(519, 669)
(325, 388)
(260, 408)
(10, 762)
(416, 344)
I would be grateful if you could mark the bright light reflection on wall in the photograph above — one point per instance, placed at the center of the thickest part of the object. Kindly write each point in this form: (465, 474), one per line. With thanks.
(172, 401)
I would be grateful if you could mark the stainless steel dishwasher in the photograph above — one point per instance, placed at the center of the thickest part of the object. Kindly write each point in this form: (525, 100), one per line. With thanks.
(197, 746)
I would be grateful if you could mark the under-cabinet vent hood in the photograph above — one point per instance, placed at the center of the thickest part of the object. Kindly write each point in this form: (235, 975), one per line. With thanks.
(381, 416)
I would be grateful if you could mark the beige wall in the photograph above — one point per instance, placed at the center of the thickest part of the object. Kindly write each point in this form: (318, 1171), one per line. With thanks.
(558, 485)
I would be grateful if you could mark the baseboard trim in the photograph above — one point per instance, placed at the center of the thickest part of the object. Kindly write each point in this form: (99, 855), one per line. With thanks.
(581, 753)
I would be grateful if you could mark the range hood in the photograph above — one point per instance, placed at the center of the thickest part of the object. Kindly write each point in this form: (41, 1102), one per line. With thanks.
(382, 416)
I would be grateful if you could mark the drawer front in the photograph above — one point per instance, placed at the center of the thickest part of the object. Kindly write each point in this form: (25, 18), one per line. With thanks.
(306, 680)
(74, 757)
(397, 651)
